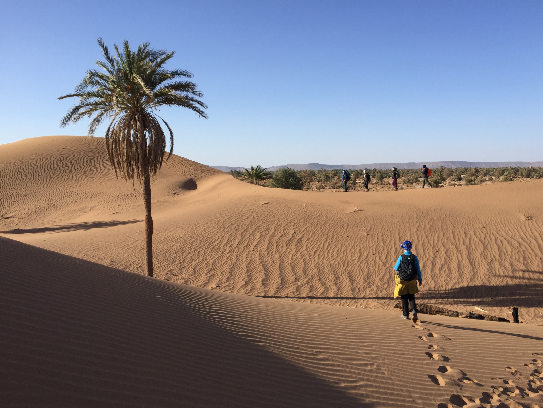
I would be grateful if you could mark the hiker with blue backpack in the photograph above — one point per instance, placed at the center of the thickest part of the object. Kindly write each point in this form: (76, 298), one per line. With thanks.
(345, 177)
(407, 274)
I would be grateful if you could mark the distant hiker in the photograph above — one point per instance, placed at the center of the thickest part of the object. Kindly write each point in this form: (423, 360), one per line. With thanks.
(345, 177)
(408, 273)
(366, 177)
(395, 177)
(425, 174)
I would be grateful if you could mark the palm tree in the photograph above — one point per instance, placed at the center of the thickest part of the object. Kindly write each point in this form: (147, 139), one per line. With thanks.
(256, 173)
(134, 85)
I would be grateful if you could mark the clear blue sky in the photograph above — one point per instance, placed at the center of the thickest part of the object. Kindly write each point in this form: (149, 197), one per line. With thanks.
(335, 82)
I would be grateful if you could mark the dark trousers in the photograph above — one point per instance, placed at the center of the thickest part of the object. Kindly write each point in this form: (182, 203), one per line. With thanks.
(425, 181)
(408, 302)
(345, 186)
(395, 183)
(366, 185)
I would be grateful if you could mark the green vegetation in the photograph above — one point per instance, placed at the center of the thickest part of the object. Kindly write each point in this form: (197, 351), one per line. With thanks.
(286, 178)
(131, 86)
(256, 174)
(318, 180)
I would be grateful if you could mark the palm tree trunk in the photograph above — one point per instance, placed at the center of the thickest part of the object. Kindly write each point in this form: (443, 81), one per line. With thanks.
(148, 223)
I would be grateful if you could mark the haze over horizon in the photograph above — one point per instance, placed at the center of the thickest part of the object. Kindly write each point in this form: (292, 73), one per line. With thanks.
(287, 82)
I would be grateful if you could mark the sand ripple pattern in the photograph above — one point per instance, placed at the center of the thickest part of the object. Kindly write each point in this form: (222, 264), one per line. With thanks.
(76, 333)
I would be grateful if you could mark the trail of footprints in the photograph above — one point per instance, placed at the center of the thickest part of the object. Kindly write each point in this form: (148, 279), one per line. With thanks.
(500, 395)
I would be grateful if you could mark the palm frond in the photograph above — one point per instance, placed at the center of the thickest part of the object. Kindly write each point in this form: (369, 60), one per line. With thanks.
(129, 86)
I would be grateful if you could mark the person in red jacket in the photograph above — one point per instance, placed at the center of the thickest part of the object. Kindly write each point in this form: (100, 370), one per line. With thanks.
(425, 176)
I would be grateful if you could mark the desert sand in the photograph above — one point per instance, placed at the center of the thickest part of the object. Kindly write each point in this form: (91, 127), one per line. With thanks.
(261, 297)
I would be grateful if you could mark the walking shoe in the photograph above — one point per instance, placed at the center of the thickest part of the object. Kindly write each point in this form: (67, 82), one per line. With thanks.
(415, 318)
(405, 317)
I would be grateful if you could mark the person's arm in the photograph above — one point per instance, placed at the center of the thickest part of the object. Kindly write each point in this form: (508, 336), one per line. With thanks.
(419, 274)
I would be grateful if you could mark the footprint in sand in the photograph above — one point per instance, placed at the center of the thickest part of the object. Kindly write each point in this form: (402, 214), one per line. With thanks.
(533, 364)
(438, 357)
(461, 400)
(437, 336)
(437, 379)
(434, 347)
(458, 376)
(433, 336)
(514, 372)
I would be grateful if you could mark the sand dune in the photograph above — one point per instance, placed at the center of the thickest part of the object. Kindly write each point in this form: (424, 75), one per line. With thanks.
(84, 328)
(76, 333)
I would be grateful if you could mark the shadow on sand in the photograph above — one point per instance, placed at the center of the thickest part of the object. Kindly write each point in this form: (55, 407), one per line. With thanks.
(326, 297)
(80, 334)
(526, 293)
(477, 329)
(71, 227)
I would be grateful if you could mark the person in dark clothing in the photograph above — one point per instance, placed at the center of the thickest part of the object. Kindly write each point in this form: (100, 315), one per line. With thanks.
(395, 177)
(407, 267)
(345, 177)
(425, 176)
(366, 177)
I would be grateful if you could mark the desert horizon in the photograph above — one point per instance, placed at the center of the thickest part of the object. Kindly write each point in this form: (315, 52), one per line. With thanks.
(260, 297)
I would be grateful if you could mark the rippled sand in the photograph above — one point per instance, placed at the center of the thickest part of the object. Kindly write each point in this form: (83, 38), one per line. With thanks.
(263, 297)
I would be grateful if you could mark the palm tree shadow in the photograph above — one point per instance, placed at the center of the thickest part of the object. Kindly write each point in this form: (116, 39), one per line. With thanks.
(481, 330)
(71, 227)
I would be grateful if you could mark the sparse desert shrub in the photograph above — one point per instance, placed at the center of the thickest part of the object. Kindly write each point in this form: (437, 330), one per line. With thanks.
(506, 177)
(437, 181)
(411, 178)
(286, 178)
(308, 177)
(378, 176)
(500, 171)
(447, 173)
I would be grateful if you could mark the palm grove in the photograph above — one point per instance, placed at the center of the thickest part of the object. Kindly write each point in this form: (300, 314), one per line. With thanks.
(132, 85)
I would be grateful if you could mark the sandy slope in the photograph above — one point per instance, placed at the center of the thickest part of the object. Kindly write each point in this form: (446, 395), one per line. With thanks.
(480, 247)
(76, 333)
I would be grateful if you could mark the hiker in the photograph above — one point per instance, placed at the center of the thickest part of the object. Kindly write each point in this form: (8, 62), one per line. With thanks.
(425, 174)
(408, 273)
(395, 177)
(366, 177)
(345, 177)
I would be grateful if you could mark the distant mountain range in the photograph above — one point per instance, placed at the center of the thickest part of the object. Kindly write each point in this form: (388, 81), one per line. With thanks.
(381, 166)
